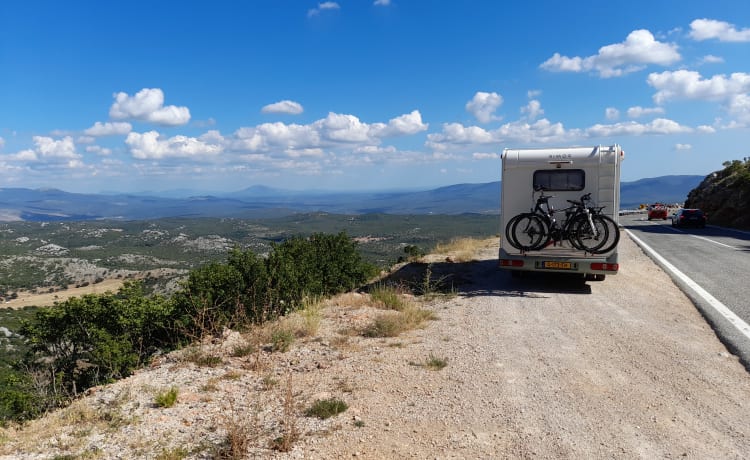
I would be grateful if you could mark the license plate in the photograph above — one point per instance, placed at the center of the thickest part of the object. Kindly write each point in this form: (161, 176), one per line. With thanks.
(557, 265)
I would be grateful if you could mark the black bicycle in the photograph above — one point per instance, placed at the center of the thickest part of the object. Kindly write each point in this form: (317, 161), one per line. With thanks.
(584, 227)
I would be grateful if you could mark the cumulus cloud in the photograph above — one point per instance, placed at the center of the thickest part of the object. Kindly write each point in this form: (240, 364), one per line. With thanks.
(631, 128)
(483, 106)
(404, 125)
(99, 150)
(711, 59)
(485, 156)
(707, 29)
(108, 129)
(639, 49)
(63, 148)
(288, 107)
(533, 110)
(323, 7)
(456, 135)
(58, 151)
(148, 105)
(611, 113)
(151, 146)
(688, 84)
(638, 111)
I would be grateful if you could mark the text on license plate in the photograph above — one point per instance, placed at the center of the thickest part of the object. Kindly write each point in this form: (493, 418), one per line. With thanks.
(553, 264)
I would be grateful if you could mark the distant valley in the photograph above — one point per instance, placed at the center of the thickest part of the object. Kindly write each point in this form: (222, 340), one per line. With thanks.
(48, 205)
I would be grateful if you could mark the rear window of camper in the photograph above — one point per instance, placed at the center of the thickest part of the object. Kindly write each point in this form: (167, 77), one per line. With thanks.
(559, 179)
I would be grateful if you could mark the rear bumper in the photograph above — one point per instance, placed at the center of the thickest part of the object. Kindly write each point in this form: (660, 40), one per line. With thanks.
(560, 261)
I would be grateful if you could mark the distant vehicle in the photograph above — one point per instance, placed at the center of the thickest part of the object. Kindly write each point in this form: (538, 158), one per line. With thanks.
(689, 218)
(657, 211)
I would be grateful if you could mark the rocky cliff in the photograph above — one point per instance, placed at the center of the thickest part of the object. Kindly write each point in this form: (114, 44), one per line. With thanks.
(725, 195)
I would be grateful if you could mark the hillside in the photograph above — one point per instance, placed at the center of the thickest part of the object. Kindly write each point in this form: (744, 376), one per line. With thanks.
(46, 205)
(541, 370)
(725, 195)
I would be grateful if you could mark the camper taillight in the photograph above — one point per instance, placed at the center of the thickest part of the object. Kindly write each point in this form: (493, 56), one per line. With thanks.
(511, 263)
(605, 267)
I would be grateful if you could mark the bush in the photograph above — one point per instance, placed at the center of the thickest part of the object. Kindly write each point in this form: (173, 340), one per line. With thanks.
(95, 339)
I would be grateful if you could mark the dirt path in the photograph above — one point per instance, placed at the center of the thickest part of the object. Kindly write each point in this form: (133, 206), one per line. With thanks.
(27, 299)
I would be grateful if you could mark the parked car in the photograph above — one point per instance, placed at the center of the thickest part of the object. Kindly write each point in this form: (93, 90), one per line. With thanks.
(689, 218)
(657, 211)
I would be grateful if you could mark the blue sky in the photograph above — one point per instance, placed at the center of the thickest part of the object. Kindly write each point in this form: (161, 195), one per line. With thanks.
(361, 94)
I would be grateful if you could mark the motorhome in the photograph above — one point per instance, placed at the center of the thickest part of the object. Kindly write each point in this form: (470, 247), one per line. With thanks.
(564, 175)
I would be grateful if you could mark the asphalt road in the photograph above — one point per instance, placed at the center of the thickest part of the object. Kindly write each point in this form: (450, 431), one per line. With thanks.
(717, 260)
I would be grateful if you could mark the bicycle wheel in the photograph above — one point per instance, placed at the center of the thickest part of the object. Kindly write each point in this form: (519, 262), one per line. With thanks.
(529, 232)
(613, 234)
(509, 234)
(589, 238)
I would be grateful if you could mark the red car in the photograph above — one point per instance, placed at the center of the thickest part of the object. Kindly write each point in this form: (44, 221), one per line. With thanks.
(657, 211)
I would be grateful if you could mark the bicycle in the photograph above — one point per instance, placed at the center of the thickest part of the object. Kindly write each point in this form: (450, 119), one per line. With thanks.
(584, 227)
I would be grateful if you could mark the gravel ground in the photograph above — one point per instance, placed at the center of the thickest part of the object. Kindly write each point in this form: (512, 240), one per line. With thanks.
(536, 368)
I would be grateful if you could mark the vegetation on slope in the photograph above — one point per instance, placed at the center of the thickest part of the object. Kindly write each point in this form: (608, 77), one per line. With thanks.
(98, 338)
(725, 195)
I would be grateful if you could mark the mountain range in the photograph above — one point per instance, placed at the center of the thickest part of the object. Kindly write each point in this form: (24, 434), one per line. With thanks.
(43, 205)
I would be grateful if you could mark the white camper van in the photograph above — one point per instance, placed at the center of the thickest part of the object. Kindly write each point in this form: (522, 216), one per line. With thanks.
(584, 179)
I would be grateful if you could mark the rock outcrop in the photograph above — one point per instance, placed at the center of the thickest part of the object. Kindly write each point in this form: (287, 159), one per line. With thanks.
(725, 195)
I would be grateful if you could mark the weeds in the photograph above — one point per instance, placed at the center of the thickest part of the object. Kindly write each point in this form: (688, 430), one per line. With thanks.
(435, 363)
(290, 432)
(387, 297)
(282, 340)
(326, 408)
(166, 398)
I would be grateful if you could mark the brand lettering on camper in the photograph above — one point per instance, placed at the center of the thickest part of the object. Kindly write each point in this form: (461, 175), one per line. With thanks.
(561, 156)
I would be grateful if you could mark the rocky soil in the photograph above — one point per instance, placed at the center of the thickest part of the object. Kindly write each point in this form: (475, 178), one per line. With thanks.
(543, 367)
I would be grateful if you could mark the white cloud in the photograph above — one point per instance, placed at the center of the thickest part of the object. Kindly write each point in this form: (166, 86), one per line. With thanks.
(711, 59)
(109, 129)
(148, 105)
(680, 147)
(638, 111)
(23, 156)
(533, 110)
(706, 29)
(322, 7)
(286, 106)
(382, 2)
(631, 128)
(483, 106)
(533, 93)
(485, 156)
(688, 84)
(99, 150)
(706, 129)
(2, 142)
(639, 49)
(64, 148)
(611, 113)
(150, 146)
(455, 135)
(407, 124)
(739, 107)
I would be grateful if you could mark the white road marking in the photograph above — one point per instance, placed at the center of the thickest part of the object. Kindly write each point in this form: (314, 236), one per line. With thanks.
(720, 308)
(715, 242)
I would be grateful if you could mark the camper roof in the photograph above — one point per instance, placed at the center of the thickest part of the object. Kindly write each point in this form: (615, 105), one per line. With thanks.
(577, 156)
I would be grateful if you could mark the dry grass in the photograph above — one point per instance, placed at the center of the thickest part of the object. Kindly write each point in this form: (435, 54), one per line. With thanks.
(396, 323)
(460, 249)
